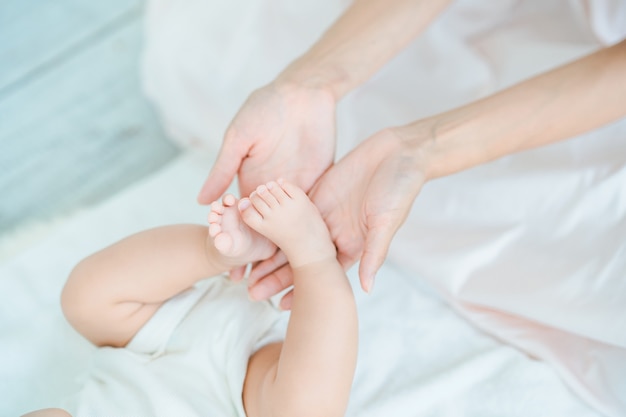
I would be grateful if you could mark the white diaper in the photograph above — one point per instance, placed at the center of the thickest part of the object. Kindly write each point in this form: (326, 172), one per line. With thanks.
(189, 360)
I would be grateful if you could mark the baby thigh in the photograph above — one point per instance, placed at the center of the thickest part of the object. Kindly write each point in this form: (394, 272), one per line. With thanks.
(101, 313)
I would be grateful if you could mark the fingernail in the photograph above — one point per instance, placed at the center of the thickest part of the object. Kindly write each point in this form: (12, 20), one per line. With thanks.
(281, 181)
(244, 204)
(369, 284)
(261, 189)
(270, 185)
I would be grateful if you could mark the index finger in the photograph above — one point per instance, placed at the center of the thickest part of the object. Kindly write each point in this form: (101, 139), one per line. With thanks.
(263, 268)
(271, 284)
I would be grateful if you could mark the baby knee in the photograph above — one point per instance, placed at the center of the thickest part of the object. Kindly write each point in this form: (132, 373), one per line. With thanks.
(77, 297)
(48, 412)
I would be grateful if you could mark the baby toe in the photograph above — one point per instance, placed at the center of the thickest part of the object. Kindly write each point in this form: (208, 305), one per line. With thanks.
(249, 213)
(214, 217)
(291, 189)
(217, 207)
(259, 204)
(277, 191)
(229, 200)
(265, 194)
(214, 229)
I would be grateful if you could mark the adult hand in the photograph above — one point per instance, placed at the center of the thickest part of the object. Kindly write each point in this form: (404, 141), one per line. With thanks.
(366, 196)
(282, 130)
(364, 199)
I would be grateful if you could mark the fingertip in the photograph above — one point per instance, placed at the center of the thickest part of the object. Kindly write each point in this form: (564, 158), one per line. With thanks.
(286, 302)
(374, 254)
(367, 279)
(367, 273)
(264, 289)
(203, 198)
(211, 190)
(254, 294)
(237, 274)
(222, 174)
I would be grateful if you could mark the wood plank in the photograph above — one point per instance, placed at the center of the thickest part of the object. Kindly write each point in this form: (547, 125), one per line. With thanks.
(78, 132)
(37, 34)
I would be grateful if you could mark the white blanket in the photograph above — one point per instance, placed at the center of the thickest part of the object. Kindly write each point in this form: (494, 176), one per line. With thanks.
(416, 357)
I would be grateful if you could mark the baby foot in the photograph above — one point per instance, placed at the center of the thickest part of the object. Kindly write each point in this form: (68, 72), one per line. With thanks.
(232, 238)
(284, 213)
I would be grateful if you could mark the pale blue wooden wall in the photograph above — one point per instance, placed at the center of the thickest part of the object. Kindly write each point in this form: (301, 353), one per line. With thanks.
(74, 126)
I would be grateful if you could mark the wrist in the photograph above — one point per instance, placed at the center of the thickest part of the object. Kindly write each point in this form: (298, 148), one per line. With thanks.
(303, 75)
(442, 145)
(419, 143)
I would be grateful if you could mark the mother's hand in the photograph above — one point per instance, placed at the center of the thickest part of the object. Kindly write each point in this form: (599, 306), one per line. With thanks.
(282, 130)
(364, 198)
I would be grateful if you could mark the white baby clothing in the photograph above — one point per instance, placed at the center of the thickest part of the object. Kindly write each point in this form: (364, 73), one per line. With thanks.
(189, 359)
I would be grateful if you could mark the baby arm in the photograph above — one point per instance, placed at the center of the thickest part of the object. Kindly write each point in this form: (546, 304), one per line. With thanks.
(312, 374)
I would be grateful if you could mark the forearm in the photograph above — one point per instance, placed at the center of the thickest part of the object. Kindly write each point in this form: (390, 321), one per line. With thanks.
(562, 103)
(318, 358)
(360, 42)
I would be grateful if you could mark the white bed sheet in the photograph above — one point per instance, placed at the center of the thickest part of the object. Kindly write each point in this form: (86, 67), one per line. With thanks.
(416, 357)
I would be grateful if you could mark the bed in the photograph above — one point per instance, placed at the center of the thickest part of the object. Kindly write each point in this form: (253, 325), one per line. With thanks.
(486, 306)
(416, 355)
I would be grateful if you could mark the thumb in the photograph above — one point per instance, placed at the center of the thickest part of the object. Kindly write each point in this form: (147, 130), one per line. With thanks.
(377, 244)
(222, 174)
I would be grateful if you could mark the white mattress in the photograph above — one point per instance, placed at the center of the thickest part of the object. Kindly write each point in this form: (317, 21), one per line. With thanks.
(416, 357)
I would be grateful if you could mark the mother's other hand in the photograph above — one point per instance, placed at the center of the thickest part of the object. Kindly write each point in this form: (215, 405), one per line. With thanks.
(364, 198)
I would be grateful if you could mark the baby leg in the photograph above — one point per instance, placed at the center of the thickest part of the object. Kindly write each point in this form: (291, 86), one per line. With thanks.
(111, 294)
(48, 412)
(320, 347)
